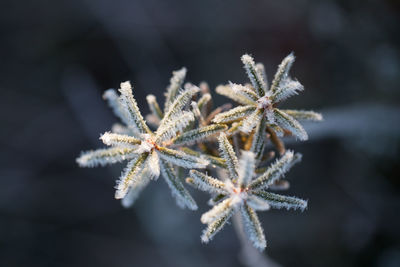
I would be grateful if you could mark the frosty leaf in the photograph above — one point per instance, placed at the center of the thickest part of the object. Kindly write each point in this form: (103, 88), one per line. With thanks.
(199, 134)
(207, 183)
(227, 91)
(286, 89)
(131, 109)
(282, 72)
(213, 160)
(258, 140)
(179, 103)
(105, 156)
(218, 211)
(288, 122)
(176, 82)
(129, 173)
(113, 139)
(113, 101)
(215, 227)
(257, 203)
(275, 171)
(244, 91)
(256, 78)
(261, 69)
(154, 107)
(251, 121)
(234, 114)
(279, 201)
(154, 165)
(253, 227)
(168, 129)
(182, 159)
(203, 102)
(304, 115)
(246, 168)
(136, 188)
(182, 196)
(228, 154)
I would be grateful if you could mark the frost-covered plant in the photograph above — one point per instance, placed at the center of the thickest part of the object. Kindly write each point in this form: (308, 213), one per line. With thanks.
(241, 193)
(258, 101)
(184, 137)
(148, 152)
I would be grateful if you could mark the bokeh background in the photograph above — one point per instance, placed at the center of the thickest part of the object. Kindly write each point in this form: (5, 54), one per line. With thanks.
(57, 57)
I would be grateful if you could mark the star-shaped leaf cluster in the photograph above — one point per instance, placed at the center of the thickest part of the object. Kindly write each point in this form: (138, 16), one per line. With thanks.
(258, 101)
(150, 153)
(243, 192)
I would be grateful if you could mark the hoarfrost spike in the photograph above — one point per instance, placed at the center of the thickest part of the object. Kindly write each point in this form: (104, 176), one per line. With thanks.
(199, 134)
(214, 227)
(127, 176)
(176, 82)
(279, 201)
(182, 196)
(228, 154)
(207, 183)
(129, 104)
(105, 156)
(256, 78)
(234, 114)
(275, 171)
(182, 159)
(253, 227)
(227, 91)
(304, 115)
(289, 123)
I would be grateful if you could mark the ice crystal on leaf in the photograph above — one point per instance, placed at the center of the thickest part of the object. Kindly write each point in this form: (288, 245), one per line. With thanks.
(244, 192)
(258, 100)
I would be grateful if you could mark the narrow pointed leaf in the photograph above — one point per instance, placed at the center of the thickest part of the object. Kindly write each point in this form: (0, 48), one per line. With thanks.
(220, 162)
(182, 159)
(199, 134)
(257, 203)
(129, 174)
(182, 196)
(214, 227)
(256, 78)
(113, 139)
(261, 69)
(286, 89)
(251, 121)
(259, 140)
(275, 171)
(154, 107)
(181, 100)
(170, 128)
(234, 114)
(228, 154)
(282, 72)
(130, 106)
(113, 102)
(244, 91)
(154, 165)
(207, 183)
(246, 168)
(227, 91)
(136, 188)
(105, 156)
(280, 201)
(288, 122)
(218, 211)
(176, 82)
(304, 115)
(252, 227)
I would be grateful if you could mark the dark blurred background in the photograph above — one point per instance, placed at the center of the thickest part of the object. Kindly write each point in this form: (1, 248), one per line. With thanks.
(57, 57)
